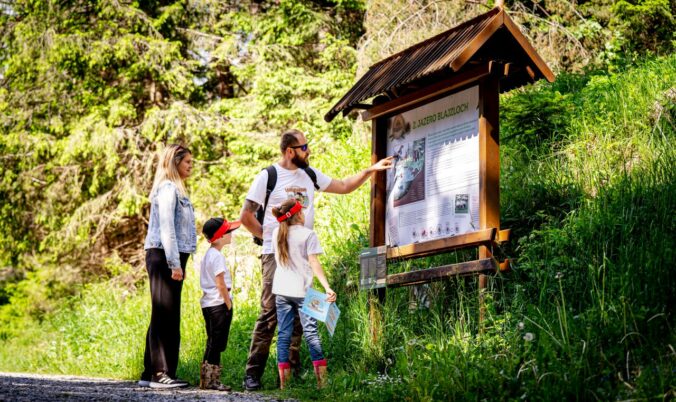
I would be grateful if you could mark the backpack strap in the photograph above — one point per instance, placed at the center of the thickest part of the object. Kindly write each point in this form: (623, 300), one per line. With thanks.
(313, 176)
(272, 182)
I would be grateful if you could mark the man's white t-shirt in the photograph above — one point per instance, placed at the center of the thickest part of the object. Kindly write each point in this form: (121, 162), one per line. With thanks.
(290, 183)
(293, 278)
(213, 264)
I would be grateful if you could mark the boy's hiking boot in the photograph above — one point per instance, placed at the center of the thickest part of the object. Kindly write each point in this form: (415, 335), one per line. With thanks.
(205, 375)
(251, 383)
(162, 380)
(210, 377)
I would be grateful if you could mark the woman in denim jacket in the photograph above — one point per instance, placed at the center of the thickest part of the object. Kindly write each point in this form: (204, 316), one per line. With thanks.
(171, 239)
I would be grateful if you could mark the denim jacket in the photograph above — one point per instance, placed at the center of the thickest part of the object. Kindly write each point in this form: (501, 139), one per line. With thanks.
(172, 224)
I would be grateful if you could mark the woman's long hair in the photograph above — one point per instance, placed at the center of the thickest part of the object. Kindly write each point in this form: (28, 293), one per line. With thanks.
(167, 169)
(283, 235)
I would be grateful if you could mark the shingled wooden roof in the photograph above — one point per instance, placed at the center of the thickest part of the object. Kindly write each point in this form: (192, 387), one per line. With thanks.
(490, 37)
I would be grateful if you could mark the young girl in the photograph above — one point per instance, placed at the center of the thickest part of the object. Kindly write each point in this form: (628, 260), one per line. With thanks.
(216, 301)
(296, 248)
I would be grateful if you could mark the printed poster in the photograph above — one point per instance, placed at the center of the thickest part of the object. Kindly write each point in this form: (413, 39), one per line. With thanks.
(433, 187)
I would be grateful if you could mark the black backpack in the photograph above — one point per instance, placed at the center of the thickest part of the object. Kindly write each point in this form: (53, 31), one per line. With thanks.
(272, 181)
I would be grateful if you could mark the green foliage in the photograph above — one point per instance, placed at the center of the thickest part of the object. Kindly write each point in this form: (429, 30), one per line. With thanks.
(536, 117)
(86, 103)
(91, 90)
(647, 25)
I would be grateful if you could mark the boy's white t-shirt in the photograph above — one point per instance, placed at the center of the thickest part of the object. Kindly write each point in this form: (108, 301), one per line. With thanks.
(290, 183)
(295, 277)
(213, 264)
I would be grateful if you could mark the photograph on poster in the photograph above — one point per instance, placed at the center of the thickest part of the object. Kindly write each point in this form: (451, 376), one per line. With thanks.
(433, 188)
(409, 175)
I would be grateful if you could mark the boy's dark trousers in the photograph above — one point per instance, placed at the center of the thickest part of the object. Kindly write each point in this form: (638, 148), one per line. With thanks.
(164, 333)
(266, 323)
(217, 320)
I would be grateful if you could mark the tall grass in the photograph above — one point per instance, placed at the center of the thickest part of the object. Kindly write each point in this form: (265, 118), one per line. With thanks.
(586, 314)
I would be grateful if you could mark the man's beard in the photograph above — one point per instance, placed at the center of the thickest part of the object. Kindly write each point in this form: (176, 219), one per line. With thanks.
(301, 163)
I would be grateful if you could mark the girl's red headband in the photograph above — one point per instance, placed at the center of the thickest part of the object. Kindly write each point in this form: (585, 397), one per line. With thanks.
(294, 210)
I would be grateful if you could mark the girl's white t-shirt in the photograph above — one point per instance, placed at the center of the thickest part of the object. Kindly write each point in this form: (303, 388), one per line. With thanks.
(290, 183)
(293, 278)
(211, 265)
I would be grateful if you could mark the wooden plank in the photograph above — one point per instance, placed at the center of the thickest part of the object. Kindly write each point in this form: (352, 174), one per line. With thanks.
(504, 235)
(528, 48)
(441, 245)
(426, 94)
(478, 41)
(435, 274)
(531, 73)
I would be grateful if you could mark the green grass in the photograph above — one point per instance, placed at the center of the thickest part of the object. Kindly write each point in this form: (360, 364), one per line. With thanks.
(587, 313)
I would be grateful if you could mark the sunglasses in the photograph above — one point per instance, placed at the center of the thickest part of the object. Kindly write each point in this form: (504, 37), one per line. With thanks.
(302, 147)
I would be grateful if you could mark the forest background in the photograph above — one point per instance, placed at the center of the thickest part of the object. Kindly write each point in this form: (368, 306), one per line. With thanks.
(91, 90)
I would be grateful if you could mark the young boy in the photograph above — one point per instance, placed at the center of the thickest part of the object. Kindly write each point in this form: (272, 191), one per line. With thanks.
(216, 301)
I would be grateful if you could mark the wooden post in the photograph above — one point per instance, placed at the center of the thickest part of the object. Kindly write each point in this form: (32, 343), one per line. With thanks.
(378, 189)
(489, 171)
(378, 183)
(377, 227)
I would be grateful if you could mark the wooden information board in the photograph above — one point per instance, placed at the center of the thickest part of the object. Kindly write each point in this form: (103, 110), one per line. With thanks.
(435, 107)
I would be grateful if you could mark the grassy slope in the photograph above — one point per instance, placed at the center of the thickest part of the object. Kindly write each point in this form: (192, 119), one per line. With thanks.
(585, 315)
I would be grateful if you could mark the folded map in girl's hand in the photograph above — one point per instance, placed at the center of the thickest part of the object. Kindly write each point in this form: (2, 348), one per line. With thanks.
(316, 306)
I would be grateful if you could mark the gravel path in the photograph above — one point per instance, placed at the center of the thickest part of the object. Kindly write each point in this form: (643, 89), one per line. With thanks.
(42, 388)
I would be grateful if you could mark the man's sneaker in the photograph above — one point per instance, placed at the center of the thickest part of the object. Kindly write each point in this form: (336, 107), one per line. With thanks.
(164, 381)
(251, 383)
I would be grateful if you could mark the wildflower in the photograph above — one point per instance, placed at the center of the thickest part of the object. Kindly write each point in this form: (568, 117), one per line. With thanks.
(528, 336)
(521, 326)
(559, 275)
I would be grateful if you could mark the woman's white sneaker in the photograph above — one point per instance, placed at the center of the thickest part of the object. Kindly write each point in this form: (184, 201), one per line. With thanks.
(164, 381)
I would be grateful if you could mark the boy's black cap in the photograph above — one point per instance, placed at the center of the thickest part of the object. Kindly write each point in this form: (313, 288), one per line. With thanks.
(215, 228)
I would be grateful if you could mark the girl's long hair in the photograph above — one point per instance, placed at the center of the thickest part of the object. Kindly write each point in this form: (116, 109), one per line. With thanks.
(283, 234)
(167, 168)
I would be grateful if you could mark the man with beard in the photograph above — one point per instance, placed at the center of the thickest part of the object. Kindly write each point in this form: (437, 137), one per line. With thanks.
(293, 181)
